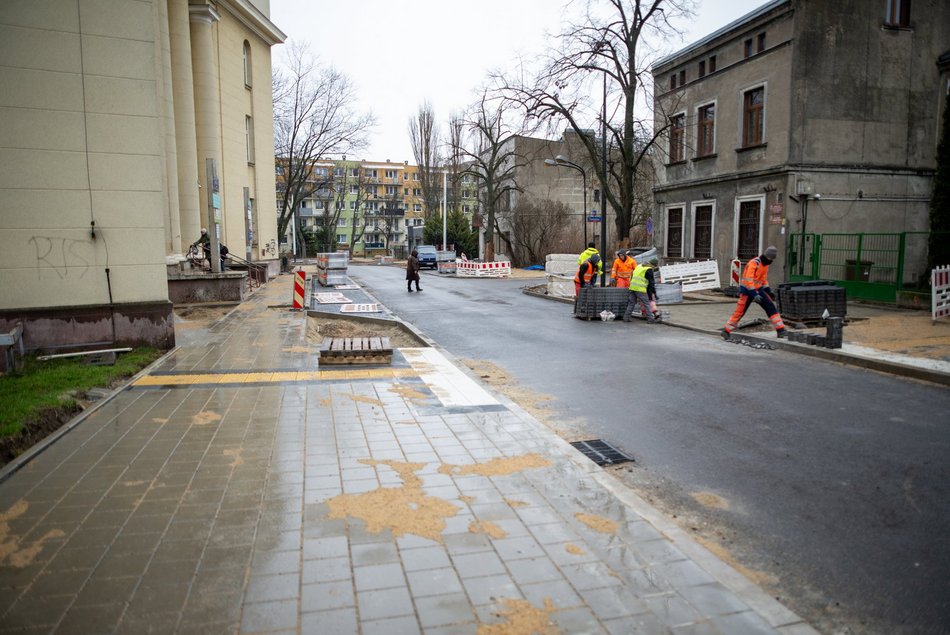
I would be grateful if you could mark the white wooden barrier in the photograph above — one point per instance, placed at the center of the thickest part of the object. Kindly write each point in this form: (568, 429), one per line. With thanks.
(695, 276)
(498, 269)
(940, 293)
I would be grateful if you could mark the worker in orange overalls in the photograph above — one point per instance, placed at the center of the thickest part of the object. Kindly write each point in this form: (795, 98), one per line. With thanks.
(623, 269)
(586, 276)
(754, 287)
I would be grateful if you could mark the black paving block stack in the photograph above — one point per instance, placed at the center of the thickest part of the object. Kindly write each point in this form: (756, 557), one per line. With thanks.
(809, 300)
(592, 300)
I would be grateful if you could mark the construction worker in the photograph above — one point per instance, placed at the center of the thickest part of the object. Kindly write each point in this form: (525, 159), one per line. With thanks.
(754, 287)
(623, 269)
(587, 253)
(642, 289)
(586, 275)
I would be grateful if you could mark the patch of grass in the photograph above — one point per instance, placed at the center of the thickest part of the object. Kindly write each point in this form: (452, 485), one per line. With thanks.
(53, 383)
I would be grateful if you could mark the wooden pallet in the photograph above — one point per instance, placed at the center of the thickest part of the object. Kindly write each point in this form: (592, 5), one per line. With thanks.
(356, 350)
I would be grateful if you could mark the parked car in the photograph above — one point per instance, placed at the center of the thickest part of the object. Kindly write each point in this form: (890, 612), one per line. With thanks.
(427, 256)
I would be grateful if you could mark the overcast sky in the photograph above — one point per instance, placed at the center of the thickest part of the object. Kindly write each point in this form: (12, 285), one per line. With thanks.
(401, 54)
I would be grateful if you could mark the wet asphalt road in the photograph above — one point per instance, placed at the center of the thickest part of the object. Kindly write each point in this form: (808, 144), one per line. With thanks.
(832, 480)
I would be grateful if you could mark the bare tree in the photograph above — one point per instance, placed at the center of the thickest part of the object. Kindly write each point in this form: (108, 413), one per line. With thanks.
(538, 227)
(605, 45)
(313, 118)
(351, 187)
(424, 136)
(455, 163)
(491, 157)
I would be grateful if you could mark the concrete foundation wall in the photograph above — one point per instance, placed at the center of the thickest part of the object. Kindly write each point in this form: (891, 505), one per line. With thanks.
(224, 287)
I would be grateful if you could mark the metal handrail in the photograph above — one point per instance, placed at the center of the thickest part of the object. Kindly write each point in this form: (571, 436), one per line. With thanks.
(257, 273)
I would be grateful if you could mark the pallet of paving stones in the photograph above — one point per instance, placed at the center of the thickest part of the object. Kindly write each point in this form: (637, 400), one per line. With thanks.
(810, 300)
(356, 350)
(591, 301)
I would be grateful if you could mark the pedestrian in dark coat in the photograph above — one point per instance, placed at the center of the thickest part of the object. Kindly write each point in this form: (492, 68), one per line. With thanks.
(412, 270)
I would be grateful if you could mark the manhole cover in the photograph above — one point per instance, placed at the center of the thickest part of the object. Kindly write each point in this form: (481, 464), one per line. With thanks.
(601, 452)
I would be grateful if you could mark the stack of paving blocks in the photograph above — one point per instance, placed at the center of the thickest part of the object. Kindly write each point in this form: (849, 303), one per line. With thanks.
(592, 300)
(331, 268)
(810, 300)
(833, 337)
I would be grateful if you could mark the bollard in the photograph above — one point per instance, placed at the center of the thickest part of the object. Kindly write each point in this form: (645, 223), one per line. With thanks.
(834, 332)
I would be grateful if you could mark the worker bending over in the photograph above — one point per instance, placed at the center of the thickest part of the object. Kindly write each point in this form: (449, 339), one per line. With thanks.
(587, 253)
(586, 275)
(754, 287)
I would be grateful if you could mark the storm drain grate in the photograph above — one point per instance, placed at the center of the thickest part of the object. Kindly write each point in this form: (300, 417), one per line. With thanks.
(601, 452)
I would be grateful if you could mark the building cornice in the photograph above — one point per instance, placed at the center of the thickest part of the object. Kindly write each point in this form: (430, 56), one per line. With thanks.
(251, 17)
(744, 21)
(793, 169)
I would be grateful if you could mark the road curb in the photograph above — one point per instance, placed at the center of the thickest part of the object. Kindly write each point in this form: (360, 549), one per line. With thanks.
(828, 354)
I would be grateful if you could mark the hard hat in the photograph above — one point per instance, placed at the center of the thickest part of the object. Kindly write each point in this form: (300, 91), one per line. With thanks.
(771, 252)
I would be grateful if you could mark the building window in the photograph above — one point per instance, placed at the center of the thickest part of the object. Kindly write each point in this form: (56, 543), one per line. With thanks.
(747, 48)
(597, 195)
(672, 81)
(682, 78)
(405, 191)
(760, 43)
(355, 172)
(677, 138)
(753, 121)
(897, 13)
(702, 68)
(748, 239)
(391, 174)
(249, 138)
(341, 222)
(674, 232)
(341, 239)
(247, 63)
(712, 64)
(371, 174)
(338, 172)
(706, 131)
(352, 204)
(702, 233)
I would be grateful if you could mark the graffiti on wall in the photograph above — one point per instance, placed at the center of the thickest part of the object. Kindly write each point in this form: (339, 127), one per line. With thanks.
(66, 257)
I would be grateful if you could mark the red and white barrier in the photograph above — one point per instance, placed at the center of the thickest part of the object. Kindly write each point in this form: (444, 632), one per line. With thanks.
(940, 293)
(736, 266)
(300, 279)
(501, 269)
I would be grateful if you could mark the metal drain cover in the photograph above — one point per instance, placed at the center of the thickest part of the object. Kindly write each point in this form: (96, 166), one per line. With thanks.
(601, 452)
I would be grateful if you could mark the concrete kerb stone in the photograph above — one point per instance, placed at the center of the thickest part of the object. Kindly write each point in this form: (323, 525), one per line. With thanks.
(21, 461)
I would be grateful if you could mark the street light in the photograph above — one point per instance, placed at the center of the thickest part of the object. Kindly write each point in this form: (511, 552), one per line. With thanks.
(561, 160)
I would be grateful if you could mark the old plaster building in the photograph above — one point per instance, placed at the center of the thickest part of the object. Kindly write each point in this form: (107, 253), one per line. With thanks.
(804, 119)
(109, 114)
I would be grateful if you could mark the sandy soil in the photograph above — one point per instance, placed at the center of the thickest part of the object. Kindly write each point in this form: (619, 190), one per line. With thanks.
(319, 328)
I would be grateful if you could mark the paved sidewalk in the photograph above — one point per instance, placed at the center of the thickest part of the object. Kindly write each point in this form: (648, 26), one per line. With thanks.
(239, 487)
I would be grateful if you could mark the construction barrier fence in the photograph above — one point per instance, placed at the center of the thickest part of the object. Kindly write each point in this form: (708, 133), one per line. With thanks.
(940, 293)
(300, 280)
(500, 269)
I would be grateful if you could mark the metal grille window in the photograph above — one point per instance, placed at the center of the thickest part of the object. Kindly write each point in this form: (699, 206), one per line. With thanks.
(702, 236)
(706, 128)
(750, 213)
(674, 232)
(897, 12)
(753, 122)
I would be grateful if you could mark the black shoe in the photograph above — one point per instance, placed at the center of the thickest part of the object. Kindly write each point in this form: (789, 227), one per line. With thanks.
(410, 290)
(724, 333)
(418, 289)
(781, 333)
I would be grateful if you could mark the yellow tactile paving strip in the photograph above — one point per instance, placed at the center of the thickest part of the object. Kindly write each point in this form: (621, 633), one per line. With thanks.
(200, 379)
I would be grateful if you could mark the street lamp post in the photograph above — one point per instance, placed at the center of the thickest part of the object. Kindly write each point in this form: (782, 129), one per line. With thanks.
(561, 160)
(603, 188)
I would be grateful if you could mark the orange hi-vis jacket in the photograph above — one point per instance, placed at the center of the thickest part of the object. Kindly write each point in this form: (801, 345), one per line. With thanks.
(756, 275)
(623, 268)
(589, 270)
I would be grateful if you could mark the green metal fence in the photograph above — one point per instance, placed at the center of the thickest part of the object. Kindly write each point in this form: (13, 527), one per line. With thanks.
(870, 266)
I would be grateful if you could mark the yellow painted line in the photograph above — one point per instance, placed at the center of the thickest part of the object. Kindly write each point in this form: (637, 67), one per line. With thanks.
(198, 379)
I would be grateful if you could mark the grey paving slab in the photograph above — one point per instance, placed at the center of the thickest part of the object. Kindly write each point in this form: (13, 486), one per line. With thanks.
(205, 506)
